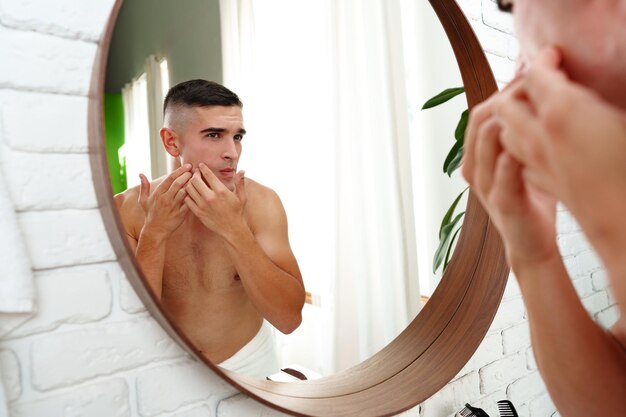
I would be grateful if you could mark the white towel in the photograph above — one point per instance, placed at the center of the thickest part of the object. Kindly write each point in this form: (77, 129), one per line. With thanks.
(17, 292)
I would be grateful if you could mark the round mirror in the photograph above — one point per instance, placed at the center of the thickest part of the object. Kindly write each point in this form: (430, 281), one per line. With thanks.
(334, 127)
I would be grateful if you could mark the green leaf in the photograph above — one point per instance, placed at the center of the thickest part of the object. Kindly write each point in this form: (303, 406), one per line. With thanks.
(459, 132)
(448, 215)
(451, 155)
(444, 238)
(456, 162)
(445, 263)
(442, 97)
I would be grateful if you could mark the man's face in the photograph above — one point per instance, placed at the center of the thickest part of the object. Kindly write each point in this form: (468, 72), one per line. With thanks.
(585, 33)
(213, 135)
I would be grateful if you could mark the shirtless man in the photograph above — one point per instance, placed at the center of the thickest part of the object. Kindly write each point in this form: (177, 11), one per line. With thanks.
(211, 243)
(557, 132)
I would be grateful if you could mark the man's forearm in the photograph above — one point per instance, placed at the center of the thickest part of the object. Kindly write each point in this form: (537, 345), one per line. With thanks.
(571, 350)
(277, 294)
(150, 254)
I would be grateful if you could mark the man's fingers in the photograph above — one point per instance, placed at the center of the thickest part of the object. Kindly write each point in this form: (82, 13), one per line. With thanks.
(209, 176)
(487, 150)
(169, 180)
(192, 206)
(144, 191)
(508, 184)
(477, 117)
(543, 77)
(178, 184)
(196, 188)
(240, 186)
(518, 124)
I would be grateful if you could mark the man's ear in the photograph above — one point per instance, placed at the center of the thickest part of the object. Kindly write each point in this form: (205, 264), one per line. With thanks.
(170, 141)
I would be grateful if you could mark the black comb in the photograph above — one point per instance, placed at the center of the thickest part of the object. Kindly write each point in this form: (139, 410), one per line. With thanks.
(506, 409)
(469, 411)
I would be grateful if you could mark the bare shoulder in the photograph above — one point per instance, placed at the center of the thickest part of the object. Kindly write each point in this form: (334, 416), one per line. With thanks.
(130, 211)
(263, 204)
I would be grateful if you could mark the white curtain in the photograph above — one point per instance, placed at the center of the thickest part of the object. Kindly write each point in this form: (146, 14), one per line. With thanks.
(377, 290)
(325, 107)
(143, 97)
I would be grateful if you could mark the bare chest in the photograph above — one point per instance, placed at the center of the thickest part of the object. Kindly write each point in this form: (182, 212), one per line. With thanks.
(197, 260)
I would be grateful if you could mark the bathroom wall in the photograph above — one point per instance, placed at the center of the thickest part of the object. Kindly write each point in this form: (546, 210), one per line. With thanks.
(91, 349)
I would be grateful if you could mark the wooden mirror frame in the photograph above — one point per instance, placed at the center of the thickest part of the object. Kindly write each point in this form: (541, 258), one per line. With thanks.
(435, 345)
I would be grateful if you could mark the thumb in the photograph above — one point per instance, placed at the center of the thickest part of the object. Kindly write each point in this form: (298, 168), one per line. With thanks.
(240, 186)
(144, 191)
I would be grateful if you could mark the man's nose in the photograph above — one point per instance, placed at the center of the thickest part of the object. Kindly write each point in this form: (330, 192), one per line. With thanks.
(230, 151)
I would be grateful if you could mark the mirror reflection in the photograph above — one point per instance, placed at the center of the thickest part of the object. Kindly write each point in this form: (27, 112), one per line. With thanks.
(333, 143)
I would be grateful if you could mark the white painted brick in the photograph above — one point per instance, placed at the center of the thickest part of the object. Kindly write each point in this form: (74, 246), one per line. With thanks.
(106, 399)
(67, 18)
(62, 359)
(512, 289)
(600, 280)
(596, 302)
(542, 406)
(523, 410)
(38, 122)
(608, 317)
(452, 397)
(70, 297)
(493, 42)
(513, 49)
(572, 243)
(49, 181)
(503, 68)
(496, 19)
(566, 223)
(489, 350)
(588, 262)
(157, 394)
(10, 373)
(583, 286)
(33, 61)
(201, 411)
(240, 406)
(511, 312)
(531, 363)
(515, 338)
(571, 266)
(129, 301)
(471, 9)
(67, 237)
(526, 388)
(502, 372)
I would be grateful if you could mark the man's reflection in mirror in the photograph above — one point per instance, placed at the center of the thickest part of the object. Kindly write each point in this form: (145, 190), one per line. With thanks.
(211, 242)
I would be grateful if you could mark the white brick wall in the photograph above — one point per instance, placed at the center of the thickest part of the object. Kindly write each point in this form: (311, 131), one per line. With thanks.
(91, 349)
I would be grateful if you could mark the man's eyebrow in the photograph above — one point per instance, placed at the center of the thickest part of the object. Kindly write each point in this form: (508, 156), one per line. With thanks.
(241, 131)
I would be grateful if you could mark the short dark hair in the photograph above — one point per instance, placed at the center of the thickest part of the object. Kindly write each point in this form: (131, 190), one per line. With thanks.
(200, 93)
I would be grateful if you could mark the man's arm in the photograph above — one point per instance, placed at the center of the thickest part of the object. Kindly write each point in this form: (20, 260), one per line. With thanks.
(583, 366)
(161, 213)
(263, 259)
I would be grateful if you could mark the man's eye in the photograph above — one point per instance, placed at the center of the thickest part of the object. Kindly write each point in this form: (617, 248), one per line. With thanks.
(239, 138)
(213, 135)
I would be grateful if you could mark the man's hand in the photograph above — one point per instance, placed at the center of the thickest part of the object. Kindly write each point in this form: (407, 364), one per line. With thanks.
(164, 208)
(218, 208)
(524, 215)
(572, 145)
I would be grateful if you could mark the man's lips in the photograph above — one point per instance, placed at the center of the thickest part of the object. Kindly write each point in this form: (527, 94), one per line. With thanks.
(227, 172)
